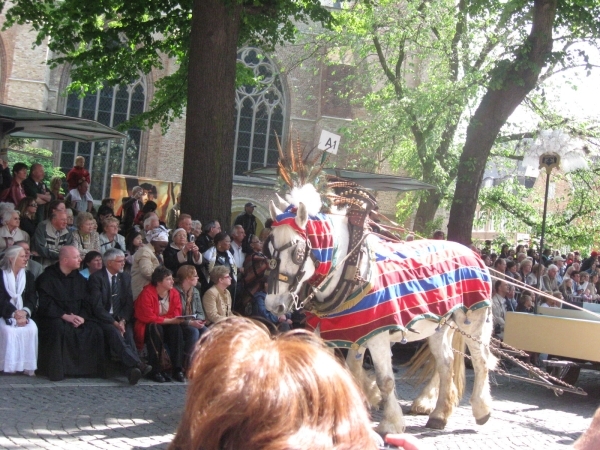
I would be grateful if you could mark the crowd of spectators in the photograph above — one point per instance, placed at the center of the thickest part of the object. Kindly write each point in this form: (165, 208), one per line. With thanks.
(81, 284)
(563, 279)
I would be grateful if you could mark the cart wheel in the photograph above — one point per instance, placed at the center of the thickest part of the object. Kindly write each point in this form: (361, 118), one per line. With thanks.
(570, 377)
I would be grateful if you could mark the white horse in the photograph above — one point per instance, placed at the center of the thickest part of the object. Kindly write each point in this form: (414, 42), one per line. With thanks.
(292, 269)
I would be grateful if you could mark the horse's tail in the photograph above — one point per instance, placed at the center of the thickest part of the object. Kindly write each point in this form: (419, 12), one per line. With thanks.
(422, 365)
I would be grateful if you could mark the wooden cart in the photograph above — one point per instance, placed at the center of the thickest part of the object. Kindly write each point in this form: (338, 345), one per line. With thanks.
(570, 338)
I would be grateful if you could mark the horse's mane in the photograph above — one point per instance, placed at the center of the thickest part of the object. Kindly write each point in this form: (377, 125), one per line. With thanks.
(307, 195)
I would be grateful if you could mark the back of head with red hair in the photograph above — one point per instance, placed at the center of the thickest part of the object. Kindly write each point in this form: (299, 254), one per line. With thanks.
(249, 390)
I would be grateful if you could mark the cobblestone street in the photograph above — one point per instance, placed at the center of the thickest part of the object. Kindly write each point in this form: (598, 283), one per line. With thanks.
(105, 414)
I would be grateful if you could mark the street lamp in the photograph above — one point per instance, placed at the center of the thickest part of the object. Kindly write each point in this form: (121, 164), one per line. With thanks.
(553, 149)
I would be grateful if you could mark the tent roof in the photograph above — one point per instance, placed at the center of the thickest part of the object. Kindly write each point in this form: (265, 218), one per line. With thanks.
(373, 181)
(33, 124)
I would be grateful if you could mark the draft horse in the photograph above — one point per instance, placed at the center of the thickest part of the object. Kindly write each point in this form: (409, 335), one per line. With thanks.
(389, 292)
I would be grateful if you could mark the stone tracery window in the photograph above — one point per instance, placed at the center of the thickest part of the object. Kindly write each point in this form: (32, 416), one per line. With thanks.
(110, 106)
(259, 114)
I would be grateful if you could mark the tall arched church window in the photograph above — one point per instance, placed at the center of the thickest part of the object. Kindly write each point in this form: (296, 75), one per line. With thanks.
(110, 106)
(259, 114)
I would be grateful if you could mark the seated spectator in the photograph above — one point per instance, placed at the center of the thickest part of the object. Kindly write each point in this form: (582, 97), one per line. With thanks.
(5, 176)
(70, 343)
(27, 208)
(551, 303)
(133, 241)
(217, 300)
(504, 251)
(206, 239)
(78, 172)
(110, 237)
(587, 263)
(283, 321)
(312, 401)
(112, 300)
(34, 267)
(80, 199)
(105, 212)
(131, 206)
(10, 231)
(147, 259)
(191, 305)
(181, 252)
(34, 187)
(498, 300)
(196, 229)
(566, 289)
(220, 255)
(70, 220)
(550, 281)
(500, 268)
(16, 192)
(109, 205)
(91, 263)
(238, 237)
(510, 303)
(255, 265)
(18, 333)
(521, 257)
(511, 270)
(439, 235)
(151, 222)
(487, 260)
(157, 312)
(149, 207)
(576, 277)
(537, 271)
(85, 238)
(50, 236)
(525, 304)
(56, 188)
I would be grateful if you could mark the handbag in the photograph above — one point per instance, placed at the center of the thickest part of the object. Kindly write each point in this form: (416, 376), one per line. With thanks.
(163, 357)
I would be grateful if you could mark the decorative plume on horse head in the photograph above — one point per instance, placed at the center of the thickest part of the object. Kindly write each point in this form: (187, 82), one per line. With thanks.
(361, 291)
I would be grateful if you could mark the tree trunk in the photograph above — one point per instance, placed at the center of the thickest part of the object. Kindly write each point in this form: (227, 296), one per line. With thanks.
(209, 134)
(515, 80)
(428, 206)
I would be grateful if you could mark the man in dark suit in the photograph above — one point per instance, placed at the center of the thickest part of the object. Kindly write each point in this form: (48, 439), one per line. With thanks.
(112, 300)
(131, 206)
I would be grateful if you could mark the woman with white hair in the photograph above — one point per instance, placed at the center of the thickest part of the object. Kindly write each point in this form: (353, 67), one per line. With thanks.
(86, 238)
(181, 252)
(10, 231)
(18, 333)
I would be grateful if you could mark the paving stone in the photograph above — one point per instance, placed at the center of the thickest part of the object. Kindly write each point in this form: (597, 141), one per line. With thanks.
(101, 414)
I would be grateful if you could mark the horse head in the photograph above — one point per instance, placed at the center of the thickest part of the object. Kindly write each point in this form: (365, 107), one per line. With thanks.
(290, 260)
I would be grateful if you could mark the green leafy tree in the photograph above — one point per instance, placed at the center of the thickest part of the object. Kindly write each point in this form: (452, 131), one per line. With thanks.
(514, 76)
(113, 41)
(428, 65)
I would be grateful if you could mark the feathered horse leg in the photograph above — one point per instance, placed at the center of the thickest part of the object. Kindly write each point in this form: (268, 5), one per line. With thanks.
(393, 420)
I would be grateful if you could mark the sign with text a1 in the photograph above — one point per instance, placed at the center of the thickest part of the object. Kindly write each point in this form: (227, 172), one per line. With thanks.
(329, 142)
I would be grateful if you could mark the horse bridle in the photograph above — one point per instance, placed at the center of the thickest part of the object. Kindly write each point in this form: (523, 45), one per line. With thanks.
(300, 254)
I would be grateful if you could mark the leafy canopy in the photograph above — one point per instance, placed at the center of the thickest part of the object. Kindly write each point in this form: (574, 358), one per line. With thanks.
(114, 41)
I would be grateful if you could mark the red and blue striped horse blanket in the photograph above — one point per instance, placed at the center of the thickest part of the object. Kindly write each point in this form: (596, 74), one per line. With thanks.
(407, 282)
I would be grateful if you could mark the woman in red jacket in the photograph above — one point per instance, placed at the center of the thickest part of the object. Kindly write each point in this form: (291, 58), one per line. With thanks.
(157, 311)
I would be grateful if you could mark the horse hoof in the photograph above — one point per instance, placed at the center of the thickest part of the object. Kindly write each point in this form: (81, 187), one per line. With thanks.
(436, 424)
(483, 420)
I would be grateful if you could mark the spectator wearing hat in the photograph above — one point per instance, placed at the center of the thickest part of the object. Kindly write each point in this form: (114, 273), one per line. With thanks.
(147, 258)
(248, 223)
